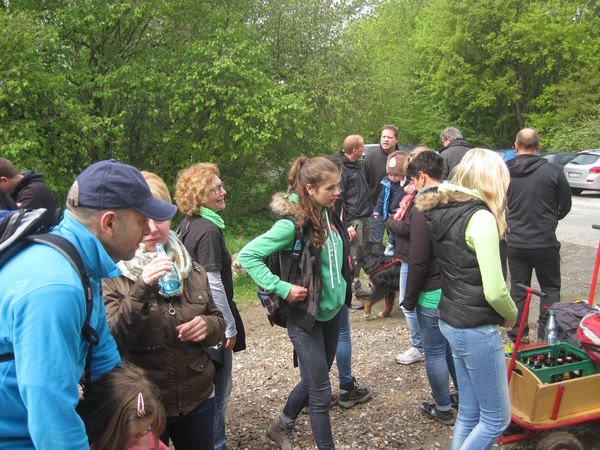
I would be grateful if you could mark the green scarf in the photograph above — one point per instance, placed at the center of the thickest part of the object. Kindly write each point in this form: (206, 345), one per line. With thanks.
(212, 216)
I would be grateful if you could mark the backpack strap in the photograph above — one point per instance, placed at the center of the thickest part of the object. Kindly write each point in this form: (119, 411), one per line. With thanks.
(192, 223)
(71, 254)
(296, 251)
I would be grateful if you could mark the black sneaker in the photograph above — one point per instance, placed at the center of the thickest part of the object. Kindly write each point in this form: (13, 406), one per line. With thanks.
(430, 410)
(454, 399)
(351, 394)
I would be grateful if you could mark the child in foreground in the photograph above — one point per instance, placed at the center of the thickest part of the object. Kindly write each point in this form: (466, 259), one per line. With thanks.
(122, 410)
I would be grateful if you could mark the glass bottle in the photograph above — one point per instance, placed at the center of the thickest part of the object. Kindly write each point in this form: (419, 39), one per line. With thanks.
(551, 335)
(169, 282)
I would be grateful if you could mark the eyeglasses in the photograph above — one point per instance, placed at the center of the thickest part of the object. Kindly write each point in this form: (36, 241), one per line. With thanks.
(217, 189)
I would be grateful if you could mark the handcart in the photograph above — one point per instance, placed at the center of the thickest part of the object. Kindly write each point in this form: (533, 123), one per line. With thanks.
(546, 397)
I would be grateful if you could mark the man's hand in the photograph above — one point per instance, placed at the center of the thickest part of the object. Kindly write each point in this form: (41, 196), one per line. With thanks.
(351, 232)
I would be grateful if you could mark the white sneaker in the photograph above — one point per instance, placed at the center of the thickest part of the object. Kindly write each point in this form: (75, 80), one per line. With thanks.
(412, 355)
(389, 250)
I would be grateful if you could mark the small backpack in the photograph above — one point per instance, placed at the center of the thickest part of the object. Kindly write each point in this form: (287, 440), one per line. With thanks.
(24, 227)
(568, 316)
(589, 335)
(275, 306)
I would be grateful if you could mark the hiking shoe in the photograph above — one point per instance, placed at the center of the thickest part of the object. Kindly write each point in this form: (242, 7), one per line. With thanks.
(454, 399)
(410, 356)
(281, 434)
(351, 394)
(334, 401)
(430, 410)
(389, 250)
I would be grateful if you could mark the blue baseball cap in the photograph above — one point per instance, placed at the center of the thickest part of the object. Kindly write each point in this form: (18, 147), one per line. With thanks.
(113, 185)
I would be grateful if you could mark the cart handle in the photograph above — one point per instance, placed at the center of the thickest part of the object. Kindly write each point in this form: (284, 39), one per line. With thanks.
(524, 316)
(533, 291)
(595, 273)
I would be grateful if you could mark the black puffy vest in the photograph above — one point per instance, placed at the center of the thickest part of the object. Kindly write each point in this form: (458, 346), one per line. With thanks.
(463, 304)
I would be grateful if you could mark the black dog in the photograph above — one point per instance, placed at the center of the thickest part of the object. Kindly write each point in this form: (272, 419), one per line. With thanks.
(384, 276)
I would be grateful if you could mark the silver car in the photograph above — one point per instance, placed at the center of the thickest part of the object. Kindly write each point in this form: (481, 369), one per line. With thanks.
(583, 172)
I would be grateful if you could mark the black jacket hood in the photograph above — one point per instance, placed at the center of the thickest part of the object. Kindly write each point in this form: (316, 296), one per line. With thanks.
(523, 165)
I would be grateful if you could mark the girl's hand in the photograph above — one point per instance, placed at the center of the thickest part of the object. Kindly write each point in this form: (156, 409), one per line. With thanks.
(156, 269)
(195, 330)
(297, 294)
(509, 323)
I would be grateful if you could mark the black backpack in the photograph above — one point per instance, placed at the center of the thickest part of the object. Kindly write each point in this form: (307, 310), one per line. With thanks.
(21, 228)
(275, 306)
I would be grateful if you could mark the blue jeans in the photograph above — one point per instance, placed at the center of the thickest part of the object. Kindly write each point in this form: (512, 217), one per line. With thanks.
(484, 406)
(411, 316)
(376, 230)
(195, 430)
(316, 351)
(438, 356)
(223, 384)
(343, 356)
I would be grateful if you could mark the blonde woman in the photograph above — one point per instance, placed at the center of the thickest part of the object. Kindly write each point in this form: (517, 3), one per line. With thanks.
(466, 221)
(166, 334)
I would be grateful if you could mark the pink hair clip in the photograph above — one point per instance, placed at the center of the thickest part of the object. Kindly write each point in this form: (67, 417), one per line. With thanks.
(141, 412)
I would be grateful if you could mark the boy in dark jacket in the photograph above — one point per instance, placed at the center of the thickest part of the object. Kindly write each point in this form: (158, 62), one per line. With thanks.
(391, 193)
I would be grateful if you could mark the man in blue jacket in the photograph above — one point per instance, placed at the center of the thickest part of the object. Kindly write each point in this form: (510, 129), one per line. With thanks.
(43, 309)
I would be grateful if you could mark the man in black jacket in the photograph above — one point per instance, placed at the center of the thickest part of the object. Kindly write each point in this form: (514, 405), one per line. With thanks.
(354, 199)
(453, 149)
(27, 189)
(538, 197)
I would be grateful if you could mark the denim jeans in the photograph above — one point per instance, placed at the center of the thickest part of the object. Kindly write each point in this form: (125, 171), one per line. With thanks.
(376, 230)
(484, 406)
(223, 384)
(316, 351)
(343, 355)
(195, 430)
(411, 316)
(439, 364)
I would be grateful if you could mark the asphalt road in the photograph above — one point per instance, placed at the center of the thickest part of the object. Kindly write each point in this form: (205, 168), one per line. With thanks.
(576, 228)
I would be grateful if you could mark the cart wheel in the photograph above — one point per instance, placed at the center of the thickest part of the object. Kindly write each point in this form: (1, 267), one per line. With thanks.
(559, 440)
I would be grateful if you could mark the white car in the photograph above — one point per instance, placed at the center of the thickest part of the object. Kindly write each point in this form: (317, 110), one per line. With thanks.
(583, 172)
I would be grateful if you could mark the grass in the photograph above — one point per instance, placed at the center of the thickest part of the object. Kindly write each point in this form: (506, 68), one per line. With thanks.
(237, 234)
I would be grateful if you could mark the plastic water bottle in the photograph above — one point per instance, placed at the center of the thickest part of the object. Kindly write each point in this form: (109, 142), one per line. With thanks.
(169, 282)
(551, 334)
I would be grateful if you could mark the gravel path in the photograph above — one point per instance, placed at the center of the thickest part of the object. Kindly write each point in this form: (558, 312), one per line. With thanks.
(263, 376)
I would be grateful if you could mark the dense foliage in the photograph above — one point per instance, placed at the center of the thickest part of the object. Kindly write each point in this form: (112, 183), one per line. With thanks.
(252, 84)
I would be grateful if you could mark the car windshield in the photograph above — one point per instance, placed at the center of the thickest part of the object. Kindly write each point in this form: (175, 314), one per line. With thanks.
(586, 159)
